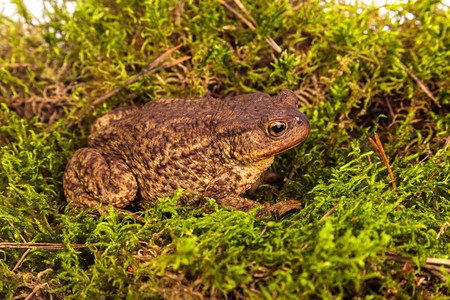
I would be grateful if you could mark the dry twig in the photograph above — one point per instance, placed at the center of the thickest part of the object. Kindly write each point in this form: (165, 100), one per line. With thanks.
(251, 24)
(434, 265)
(351, 52)
(149, 70)
(420, 83)
(329, 212)
(321, 219)
(237, 14)
(407, 70)
(46, 246)
(18, 66)
(428, 181)
(24, 254)
(36, 289)
(441, 231)
(21, 260)
(379, 148)
(244, 9)
(21, 236)
(447, 142)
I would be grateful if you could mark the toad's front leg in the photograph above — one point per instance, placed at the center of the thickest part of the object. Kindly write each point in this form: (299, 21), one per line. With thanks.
(91, 178)
(244, 204)
(226, 191)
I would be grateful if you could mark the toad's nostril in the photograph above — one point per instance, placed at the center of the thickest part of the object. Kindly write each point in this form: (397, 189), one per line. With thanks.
(299, 122)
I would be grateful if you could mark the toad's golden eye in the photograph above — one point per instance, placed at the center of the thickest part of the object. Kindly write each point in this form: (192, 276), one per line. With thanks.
(277, 128)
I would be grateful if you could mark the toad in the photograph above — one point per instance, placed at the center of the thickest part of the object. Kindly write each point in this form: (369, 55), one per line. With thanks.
(217, 148)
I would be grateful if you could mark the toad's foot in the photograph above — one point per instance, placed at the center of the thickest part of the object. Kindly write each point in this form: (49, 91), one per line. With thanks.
(280, 208)
(244, 204)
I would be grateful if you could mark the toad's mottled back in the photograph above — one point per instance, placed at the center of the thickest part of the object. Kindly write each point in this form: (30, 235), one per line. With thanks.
(215, 147)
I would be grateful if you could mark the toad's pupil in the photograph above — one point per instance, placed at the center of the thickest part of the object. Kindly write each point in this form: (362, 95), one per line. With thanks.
(277, 129)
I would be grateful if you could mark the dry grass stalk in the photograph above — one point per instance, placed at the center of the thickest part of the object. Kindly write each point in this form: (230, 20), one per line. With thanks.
(433, 265)
(420, 83)
(251, 24)
(379, 148)
(149, 70)
(46, 246)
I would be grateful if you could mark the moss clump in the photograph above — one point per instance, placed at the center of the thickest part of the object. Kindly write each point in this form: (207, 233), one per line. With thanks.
(357, 71)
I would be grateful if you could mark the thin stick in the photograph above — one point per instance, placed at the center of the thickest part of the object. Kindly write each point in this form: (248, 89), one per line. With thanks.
(374, 145)
(147, 71)
(18, 66)
(46, 246)
(447, 142)
(420, 83)
(244, 9)
(134, 79)
(407, 70)
(250, 25)
(264, 229)
(428, 181)
(21, 260)
(379, 147)
(269, 40)
(438, 261)
(321, 219)
(430, 260)
(273, 44)
(383, 155)
(237, 14)
(441, 231)
(24, 254)
(329, 212)
(21, 237)
(36, 289)
(150, 69)
(354, 53)
(428, 266)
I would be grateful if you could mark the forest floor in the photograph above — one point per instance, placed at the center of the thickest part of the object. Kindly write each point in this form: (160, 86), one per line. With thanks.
(373, 174)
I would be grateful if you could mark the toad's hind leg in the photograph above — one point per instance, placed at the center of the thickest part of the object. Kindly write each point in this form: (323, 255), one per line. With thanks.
(91, 178)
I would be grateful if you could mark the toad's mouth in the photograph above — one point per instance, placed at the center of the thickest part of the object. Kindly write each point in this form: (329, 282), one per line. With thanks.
(284, 149)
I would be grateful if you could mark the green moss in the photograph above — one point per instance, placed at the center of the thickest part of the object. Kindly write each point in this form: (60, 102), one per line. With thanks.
(344, 62)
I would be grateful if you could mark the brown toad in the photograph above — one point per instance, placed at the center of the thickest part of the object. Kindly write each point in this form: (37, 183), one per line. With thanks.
(217, 148)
